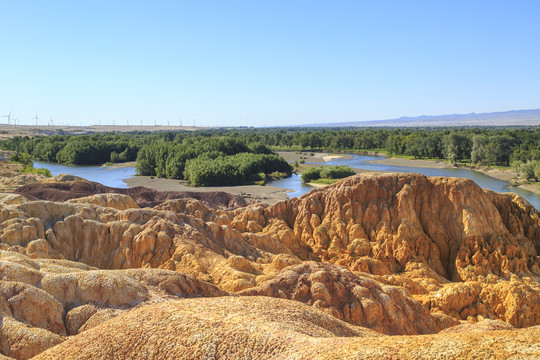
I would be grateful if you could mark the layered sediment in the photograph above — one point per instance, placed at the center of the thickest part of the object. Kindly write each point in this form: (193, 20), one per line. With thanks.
(371, 256)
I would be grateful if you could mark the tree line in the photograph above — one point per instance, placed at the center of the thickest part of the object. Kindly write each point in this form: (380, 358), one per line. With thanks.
(78, 149)
(165, 154)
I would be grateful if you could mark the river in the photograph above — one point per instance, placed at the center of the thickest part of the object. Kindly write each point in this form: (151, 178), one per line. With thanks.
(362, 162)
(113, 176)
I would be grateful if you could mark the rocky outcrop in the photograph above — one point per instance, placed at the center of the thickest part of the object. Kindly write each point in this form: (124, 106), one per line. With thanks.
(43, 301)
(423, 233)
(11, 178)
(266, 328)
(400, 254)
(353, 298)
(450, 224)
(409, 230)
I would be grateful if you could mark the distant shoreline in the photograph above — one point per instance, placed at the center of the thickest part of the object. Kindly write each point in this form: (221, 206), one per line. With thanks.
(499, 174)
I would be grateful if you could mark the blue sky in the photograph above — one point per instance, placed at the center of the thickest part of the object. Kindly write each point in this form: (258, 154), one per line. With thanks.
(265, 63)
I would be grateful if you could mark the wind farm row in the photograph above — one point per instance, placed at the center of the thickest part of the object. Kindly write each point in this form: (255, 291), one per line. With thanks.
(37, 121)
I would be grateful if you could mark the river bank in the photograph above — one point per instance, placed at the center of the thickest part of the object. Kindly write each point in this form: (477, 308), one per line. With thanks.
(496, 173)
(269, 193)
(266, 194)
(277, 190)
(499, 174)
(317, 157)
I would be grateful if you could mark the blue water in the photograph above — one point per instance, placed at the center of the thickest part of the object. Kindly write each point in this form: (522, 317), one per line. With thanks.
(362, 162)
(294, 183)
(112, 176)
(107, 175)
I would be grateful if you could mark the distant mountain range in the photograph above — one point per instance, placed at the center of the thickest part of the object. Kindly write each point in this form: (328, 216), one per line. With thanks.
(514, 117)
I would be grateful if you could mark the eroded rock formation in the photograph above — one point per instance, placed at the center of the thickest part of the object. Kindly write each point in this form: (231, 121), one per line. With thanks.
(399, 254)
(267, 328)
(354, 298)
(43, 300)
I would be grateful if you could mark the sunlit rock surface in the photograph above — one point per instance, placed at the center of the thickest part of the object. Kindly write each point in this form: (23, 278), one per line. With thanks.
(378, 254)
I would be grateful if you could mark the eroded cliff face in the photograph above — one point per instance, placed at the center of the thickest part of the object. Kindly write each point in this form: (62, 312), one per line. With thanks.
(399, 254)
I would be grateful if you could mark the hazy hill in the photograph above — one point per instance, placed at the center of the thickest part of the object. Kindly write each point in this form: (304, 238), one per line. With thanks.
(514, 117)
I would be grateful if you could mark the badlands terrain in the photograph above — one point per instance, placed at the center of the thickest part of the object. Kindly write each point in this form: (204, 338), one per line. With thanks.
(398, 266)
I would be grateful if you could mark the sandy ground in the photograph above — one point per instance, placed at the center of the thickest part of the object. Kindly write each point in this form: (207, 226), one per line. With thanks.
(266, 194)
(532, 188)
(504, 175)
(412, 163)
(317, 157)
(121, 165)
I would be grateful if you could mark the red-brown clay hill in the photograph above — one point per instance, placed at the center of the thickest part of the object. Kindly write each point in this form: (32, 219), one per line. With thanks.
(145, 197)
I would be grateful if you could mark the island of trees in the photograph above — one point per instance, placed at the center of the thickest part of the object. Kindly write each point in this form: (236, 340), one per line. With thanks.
(237, 156)
(326, 174)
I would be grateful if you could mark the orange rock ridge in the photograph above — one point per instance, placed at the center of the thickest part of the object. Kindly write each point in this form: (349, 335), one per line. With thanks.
(401, 254)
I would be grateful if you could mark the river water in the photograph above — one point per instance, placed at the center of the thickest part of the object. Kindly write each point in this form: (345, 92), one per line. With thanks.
(362, 162)
(113, 175)
(107, 175)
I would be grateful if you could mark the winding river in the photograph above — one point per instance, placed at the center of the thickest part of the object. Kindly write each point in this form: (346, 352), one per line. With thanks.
(113, 176)
(363, 162)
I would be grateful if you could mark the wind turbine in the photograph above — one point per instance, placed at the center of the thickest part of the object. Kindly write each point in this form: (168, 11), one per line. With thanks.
(8, 116)
(180, 120)
(51, 122)
(35, 118)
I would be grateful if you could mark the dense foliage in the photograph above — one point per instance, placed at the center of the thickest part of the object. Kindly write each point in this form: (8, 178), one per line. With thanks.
(234, 169)
(209, 161)
(327, 172)
(78, 149)
(166, 154)
(26, 160)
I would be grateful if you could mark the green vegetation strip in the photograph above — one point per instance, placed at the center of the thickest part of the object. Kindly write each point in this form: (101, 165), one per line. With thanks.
(166, 154)
(326, 174)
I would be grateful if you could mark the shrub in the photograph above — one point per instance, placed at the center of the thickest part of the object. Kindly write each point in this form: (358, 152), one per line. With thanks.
(336, 172)
(234, 169)
(327, 172)
(33, 170)
(311, 174)
(24, 158)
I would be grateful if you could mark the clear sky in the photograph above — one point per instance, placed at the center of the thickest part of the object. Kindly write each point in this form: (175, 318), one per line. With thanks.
(265, 63)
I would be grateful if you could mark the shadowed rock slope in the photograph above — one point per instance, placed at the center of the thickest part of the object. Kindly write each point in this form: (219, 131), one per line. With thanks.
(401, 254)
(143, 196)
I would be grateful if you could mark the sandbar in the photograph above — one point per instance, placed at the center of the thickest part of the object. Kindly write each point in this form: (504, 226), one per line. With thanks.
(266, 194)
